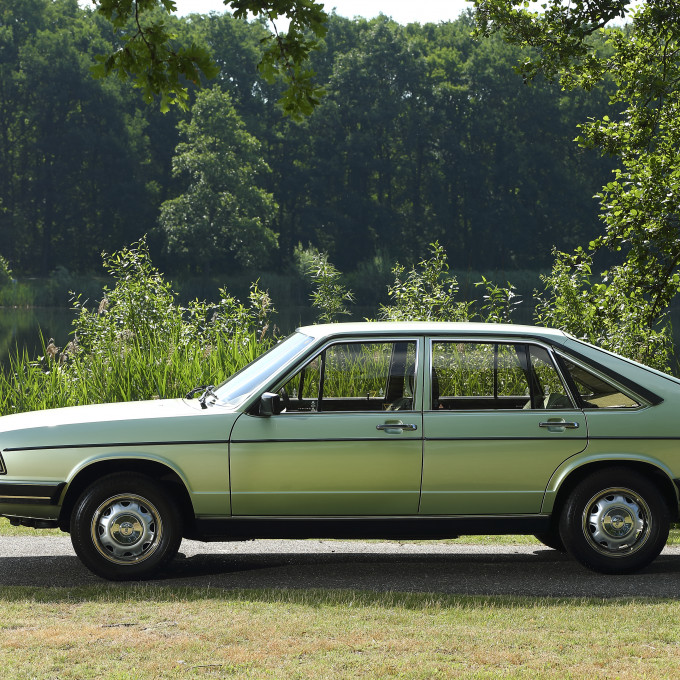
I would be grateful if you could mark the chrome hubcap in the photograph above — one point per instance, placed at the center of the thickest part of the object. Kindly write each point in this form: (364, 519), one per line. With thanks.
(616, 522)
(126, 529)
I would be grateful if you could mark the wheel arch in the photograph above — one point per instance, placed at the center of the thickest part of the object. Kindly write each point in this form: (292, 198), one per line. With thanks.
(568, 479)
(155, 470)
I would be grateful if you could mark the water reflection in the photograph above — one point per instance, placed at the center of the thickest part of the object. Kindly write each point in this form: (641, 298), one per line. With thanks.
(20, 329)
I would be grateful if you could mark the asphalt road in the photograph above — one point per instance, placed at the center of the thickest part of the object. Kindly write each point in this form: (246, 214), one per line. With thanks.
(374, 566)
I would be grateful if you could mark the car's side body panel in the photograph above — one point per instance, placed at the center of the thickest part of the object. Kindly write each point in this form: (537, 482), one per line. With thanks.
(658, 455)
(202, 467)
(326, 464)
(182, 438)
(494, 462)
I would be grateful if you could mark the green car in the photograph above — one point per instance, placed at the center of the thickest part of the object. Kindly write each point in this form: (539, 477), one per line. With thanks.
(366, 430)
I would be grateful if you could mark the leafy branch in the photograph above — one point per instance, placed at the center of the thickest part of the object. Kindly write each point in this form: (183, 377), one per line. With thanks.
(160, 71)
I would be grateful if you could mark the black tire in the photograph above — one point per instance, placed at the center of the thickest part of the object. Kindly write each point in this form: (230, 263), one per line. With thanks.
(551, 539)
(615, 522)
(124, 527)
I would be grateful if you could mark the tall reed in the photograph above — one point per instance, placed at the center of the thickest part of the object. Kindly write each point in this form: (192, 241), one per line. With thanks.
(138, 343)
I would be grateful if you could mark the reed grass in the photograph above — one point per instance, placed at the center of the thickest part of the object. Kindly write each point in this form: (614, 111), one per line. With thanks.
(138, 343)
(114, 373)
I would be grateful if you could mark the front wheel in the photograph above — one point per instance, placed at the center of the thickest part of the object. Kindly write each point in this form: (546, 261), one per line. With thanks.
(124, 527)
(615, 522)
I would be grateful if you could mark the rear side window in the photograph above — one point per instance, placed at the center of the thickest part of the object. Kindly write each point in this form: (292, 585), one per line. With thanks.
(595, 391)
(495, 375)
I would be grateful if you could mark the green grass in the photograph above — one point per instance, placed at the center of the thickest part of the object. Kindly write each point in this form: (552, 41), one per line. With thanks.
(6, 529)
(143, 632)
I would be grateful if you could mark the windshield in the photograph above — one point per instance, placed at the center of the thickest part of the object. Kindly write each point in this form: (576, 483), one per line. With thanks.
(236, 389)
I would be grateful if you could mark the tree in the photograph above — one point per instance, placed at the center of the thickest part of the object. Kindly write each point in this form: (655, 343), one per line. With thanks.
(421, 137)
(640, 207)
(223, 215)
(66, 141)
(160, 68)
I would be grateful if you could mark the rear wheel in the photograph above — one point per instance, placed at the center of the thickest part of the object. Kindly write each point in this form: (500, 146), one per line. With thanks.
(124, 527)
(615, 522)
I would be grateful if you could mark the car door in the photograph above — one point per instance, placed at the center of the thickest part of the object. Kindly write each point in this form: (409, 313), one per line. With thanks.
(500, 421)
(348, 442)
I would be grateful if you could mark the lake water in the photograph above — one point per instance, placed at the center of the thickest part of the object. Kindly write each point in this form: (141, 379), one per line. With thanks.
(21, 329)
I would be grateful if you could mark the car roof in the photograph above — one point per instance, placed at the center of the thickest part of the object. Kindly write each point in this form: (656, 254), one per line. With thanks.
(429, 328)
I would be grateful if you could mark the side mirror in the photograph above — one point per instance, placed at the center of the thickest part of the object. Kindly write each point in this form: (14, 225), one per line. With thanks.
(270, 404)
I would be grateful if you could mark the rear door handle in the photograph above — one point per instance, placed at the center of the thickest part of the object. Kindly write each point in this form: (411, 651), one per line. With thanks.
(397, 426)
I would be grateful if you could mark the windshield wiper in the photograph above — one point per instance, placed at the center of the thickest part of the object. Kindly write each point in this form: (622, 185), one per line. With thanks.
(207, 390)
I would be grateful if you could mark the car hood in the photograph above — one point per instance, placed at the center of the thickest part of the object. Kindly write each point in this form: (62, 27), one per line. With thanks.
(163, 420)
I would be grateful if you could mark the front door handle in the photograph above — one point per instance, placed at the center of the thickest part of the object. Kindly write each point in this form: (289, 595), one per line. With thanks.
(396, 426)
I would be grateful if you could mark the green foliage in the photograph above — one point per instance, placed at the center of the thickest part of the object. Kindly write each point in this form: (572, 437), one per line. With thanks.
(18, 295)
(329, 295)
(426, 292)
(223, 211)
(412, 144)
(159, 69)
(138, 311)
(147, 54)
(286, 56)
(5, 272)
(640, 206)
(611, 314)
(138, 343)
(499, 302)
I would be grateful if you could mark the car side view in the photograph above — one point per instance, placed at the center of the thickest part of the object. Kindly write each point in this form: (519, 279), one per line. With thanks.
(381, 430)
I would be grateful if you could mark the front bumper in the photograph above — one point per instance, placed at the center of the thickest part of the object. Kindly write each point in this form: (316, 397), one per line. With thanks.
(30, 493)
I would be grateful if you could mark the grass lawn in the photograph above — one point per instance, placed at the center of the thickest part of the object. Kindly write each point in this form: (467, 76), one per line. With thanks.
(139, 632)
(146, 632)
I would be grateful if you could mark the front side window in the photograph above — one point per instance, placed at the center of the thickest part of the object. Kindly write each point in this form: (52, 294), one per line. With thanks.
(354, 376)
(494, 375)
(596, 392)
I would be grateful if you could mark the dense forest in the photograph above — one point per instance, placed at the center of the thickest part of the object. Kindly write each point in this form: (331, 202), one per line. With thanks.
(424, 134)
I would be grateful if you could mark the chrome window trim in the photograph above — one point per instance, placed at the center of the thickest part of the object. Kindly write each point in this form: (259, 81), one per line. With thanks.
(565, 383)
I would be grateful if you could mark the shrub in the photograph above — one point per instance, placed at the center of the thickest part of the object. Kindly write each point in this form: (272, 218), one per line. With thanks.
(428, 292)
(611, 314)
(328, 296)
